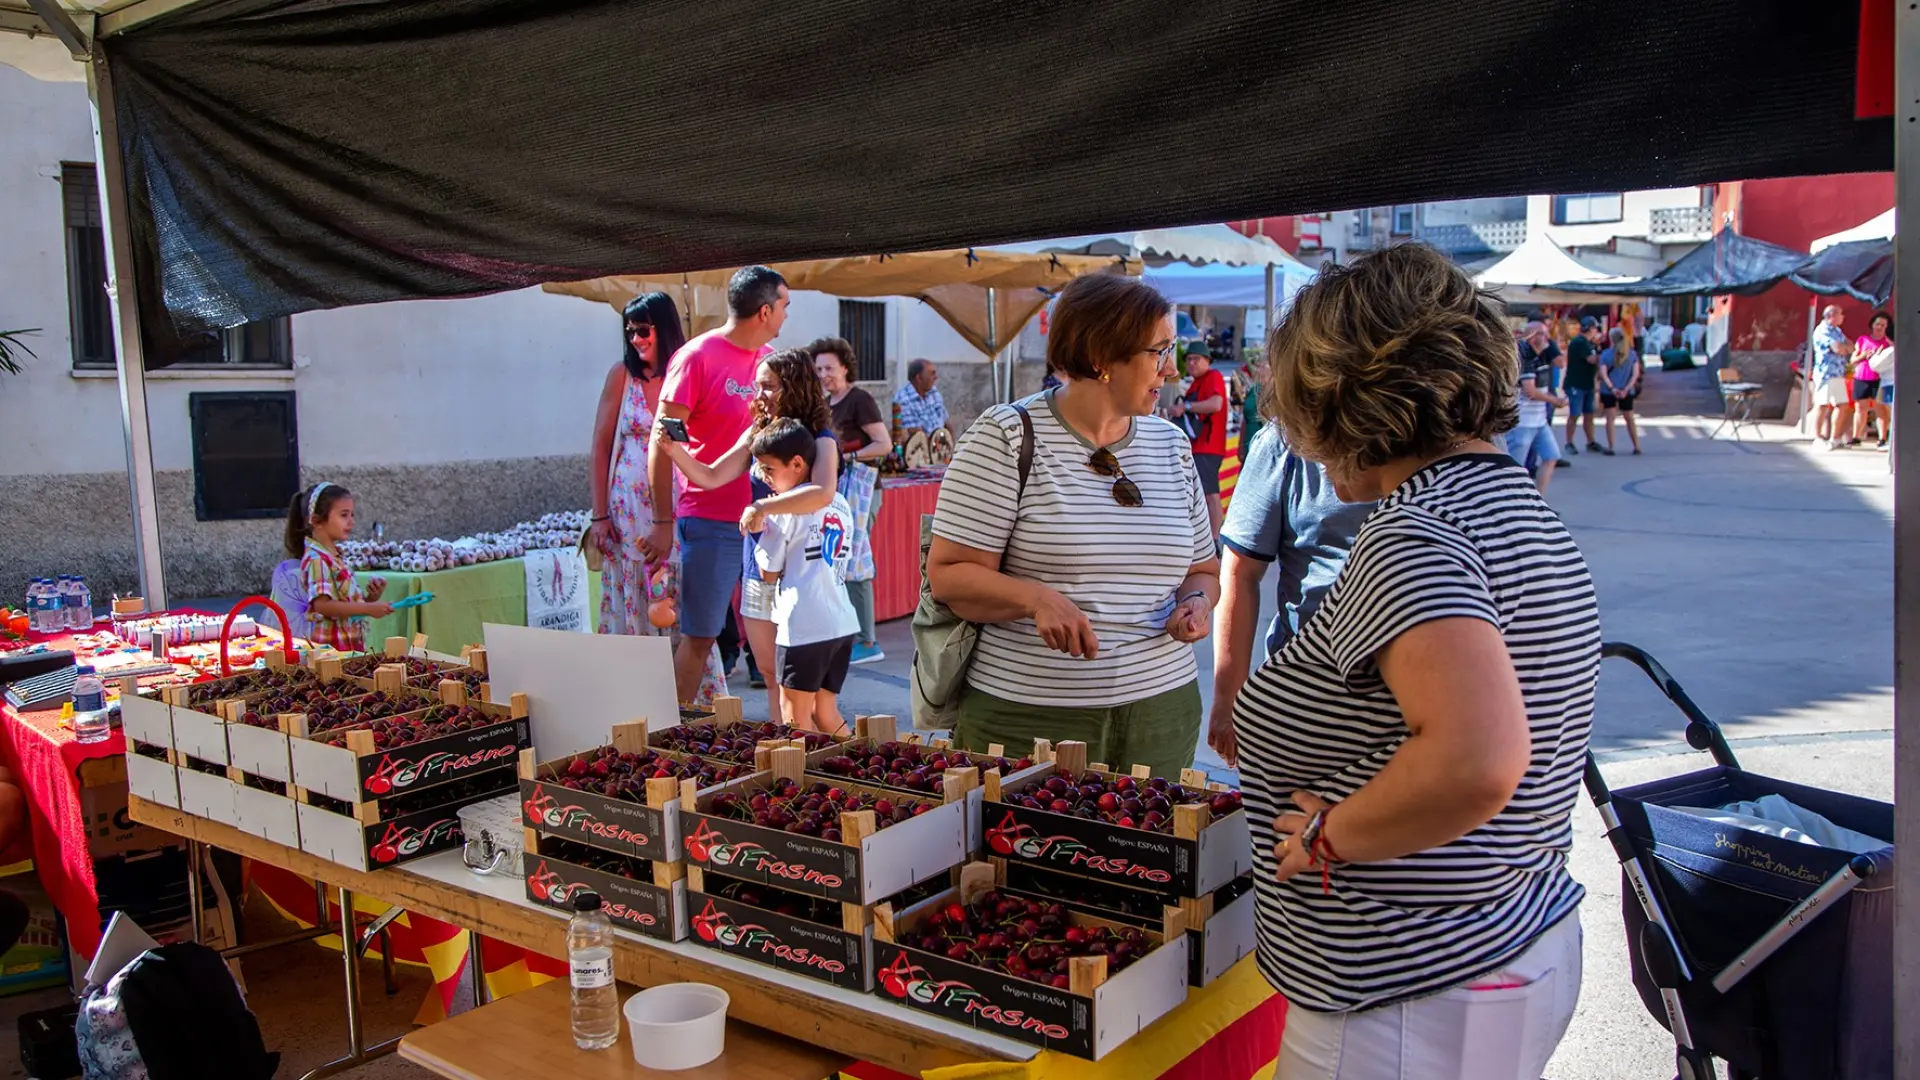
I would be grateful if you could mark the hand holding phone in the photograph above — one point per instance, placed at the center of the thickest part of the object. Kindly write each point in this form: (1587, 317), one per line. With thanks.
(675, 429)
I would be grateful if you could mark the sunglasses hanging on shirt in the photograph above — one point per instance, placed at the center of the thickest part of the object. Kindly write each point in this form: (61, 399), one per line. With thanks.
(1125, 491)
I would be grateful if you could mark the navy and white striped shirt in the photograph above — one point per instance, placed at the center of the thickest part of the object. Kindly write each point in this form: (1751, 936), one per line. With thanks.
(1467, 536)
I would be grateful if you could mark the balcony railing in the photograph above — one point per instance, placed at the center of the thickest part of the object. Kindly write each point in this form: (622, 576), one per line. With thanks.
(1674, 223)
(1497, 236)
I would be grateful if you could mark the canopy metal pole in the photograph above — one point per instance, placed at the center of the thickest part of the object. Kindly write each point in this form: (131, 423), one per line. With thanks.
(1272, 315)
(1002, 385)
(1906, 571)
(129, 351)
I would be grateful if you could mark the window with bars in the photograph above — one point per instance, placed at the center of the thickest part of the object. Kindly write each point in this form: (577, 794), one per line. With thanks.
(864, 324)
(246, 454)
(260, 344)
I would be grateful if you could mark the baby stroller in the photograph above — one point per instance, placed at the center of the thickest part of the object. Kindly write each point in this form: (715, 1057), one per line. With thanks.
(1770, 953)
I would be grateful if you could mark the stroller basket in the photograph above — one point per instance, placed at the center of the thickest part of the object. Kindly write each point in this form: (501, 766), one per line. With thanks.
(1784, 949)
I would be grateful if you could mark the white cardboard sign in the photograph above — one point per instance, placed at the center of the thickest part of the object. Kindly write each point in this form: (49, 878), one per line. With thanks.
(557, 590)
(579, 685)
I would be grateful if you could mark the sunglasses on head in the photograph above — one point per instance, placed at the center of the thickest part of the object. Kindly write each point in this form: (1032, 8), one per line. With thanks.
(1125, 491)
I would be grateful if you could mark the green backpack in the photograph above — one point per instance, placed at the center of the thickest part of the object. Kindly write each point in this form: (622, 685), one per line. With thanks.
(943, 642)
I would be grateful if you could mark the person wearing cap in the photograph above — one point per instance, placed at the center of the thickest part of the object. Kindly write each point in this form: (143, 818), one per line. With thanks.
(1581, 371)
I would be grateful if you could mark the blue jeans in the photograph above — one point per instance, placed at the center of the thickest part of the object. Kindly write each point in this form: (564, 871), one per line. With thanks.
(709, 570)
(1533, 446)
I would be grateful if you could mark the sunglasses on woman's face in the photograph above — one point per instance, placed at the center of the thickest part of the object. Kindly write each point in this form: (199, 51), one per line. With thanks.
(644, 332)
(1125, 491)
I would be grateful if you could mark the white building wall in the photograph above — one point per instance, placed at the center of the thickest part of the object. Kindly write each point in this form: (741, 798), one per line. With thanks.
(1636, 212)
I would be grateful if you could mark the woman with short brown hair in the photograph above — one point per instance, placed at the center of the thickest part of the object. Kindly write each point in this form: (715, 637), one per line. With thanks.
(1105, 553)
(1411, 757)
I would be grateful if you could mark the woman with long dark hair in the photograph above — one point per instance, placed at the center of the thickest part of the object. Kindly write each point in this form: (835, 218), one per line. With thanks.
(784, 389)
(622, 512)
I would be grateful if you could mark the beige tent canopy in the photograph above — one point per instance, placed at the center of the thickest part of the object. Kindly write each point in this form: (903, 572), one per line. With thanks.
(987, 296)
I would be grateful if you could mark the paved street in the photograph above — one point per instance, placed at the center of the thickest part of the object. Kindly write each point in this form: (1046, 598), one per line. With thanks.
(1732, 563)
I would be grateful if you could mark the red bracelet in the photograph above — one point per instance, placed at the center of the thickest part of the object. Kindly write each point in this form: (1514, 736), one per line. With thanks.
(1322, 852)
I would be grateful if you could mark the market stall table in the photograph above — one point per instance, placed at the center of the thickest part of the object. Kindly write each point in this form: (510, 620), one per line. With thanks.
(896, 544)
(1227, 1031)
(526, 1037)
(465, 598)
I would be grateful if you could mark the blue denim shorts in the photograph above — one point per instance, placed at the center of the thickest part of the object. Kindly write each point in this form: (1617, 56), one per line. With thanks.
(1533, 446)
(1579, 402)
(709, 571)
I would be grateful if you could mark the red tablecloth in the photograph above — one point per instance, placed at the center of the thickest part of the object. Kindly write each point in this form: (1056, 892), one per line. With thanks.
(46, 760)
(896, 545)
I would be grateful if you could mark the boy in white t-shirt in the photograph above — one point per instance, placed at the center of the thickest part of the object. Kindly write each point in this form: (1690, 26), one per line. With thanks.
(806, 554)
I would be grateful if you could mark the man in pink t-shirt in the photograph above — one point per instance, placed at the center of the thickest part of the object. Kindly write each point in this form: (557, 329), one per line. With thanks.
(709, 385)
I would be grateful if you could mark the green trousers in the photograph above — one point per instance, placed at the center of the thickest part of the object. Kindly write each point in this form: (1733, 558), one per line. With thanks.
(1161, 732)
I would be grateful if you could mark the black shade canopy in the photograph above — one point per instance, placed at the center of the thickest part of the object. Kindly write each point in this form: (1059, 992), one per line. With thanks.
(1862, 269)
(287, 155)
(1729, 264)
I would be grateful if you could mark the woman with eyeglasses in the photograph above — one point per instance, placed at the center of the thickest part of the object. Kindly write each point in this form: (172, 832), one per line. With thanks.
(1090, 583)
(622, 512)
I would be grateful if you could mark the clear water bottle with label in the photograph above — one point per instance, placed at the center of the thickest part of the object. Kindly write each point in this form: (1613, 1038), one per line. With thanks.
(68, 601)
(46, 609)
(90, 721)
(596, 1001)
(81, 617)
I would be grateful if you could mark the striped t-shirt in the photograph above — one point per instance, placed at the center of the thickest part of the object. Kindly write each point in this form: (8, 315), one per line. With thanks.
(1466, 536)
(1119, 564)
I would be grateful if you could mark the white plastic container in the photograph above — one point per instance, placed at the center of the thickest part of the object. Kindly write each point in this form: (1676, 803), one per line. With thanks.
(677, 1026)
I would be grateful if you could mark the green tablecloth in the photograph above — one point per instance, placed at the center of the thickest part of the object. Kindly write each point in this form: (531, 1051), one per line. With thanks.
(464, 599)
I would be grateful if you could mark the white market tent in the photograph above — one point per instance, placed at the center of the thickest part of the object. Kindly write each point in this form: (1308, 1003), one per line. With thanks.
(1523, 276)
(1218, 285)
(1878, 227)
(1192, 243)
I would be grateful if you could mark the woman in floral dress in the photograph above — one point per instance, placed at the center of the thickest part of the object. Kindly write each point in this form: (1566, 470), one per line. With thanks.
(622, 512)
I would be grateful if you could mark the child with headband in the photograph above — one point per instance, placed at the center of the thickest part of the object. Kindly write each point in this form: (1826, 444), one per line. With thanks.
(317, 521)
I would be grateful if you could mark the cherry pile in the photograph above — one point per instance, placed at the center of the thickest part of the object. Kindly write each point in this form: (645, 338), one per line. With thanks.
(1121, 800)
(780, 901)
(624, 775)
(1024, 937)
(364, 666)
(259, 680)
(733, 742)
(300, 699)
(360, 710)
(607, 862)
(474, 680)
(437, 721)
(911, 766)
(812, 810)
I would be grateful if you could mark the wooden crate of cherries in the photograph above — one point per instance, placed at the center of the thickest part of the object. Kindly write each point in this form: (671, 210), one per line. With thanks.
(1030, 969)
(876, 757)
(1178, 839)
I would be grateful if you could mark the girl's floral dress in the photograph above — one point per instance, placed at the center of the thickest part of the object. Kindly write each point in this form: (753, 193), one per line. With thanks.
(623, 574)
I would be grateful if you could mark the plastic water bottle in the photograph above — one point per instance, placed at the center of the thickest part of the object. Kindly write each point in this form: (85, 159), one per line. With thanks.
(43, 611)
(68, 601)
(82, 614)
(90, 721)
(596, 1001)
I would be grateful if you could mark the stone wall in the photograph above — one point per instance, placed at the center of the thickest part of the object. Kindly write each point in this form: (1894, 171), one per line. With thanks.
(82, 524)
(1769, 368)
(969, 388)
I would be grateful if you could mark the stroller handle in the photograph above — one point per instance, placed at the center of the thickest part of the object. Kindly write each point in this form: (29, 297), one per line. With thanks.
(1702, 732)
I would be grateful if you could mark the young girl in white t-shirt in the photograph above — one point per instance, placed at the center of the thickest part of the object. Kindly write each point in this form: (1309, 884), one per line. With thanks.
(806, 554)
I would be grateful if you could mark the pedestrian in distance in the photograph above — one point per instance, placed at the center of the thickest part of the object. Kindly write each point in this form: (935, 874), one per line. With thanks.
(1829, 349)
(1531, 441)
(1581, 373)
(1620, 370)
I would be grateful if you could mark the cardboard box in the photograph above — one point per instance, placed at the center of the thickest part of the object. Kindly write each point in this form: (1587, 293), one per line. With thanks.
(649, 909)
(355, 771)
(1198, 857)
(1095, 1014)
(103, 810)
(1220, 926)
(649, 830)
(360, 839)
(870, 865)
(840, 955)
(873, 732)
